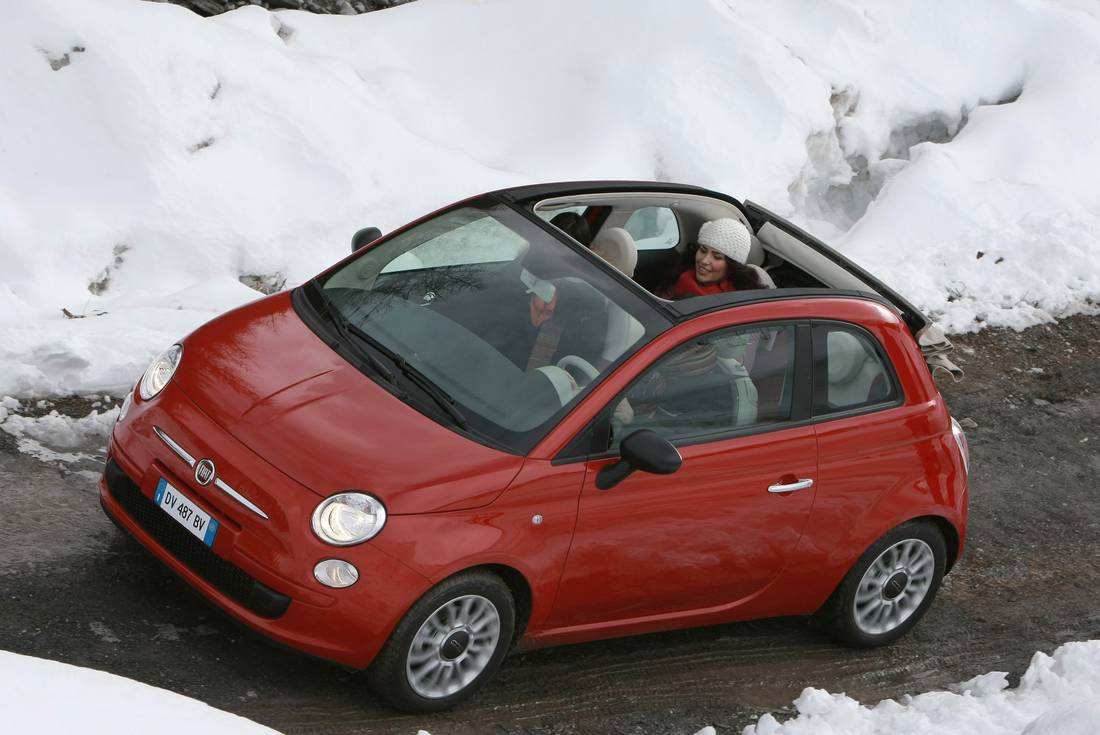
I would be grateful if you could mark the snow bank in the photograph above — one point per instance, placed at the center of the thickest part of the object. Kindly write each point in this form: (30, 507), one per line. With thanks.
(150, 159)
(56, 437)
(40, 696)
(1058, 695)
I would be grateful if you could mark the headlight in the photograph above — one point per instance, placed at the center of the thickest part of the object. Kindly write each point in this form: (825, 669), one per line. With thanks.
(160, 372)
(348, 518)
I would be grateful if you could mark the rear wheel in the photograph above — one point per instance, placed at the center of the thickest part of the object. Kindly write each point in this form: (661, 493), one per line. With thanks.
(447, 645)
(889, 588)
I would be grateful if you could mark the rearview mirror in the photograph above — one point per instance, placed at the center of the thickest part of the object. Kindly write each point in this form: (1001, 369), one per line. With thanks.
(643, 450)
(365, 236)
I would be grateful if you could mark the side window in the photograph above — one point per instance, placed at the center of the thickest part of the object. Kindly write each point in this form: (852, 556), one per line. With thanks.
(849, 370)
(729, 380)
(654, 228)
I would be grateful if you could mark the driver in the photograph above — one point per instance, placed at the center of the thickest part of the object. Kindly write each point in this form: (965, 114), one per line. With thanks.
(565, 316)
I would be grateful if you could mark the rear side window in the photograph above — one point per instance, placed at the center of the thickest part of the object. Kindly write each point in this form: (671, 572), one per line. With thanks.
(654, 228)
(851, 371)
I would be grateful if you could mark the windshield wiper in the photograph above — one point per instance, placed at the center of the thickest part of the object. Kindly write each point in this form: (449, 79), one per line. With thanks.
(345, 329)
(438, 394)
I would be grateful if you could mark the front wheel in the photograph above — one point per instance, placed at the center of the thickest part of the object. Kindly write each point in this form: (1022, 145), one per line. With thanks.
(447, 645)
(889, 588)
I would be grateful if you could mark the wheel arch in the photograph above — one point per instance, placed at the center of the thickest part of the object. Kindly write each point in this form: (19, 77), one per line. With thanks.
(517, 584)
(950, 537)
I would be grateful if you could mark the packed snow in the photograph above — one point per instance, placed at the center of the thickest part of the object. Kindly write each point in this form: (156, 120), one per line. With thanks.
(153, 162)
(47, 697)
(1059, 694)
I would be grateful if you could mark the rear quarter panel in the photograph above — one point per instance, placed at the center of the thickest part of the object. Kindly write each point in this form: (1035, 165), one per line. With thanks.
(876, 471)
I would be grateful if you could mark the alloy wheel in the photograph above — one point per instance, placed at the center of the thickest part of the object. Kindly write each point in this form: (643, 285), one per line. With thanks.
(894, 586)
(453, 646)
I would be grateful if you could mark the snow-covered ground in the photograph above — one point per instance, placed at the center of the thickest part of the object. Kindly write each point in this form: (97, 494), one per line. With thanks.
(1058, 695)
(150, 158)
(47, 697)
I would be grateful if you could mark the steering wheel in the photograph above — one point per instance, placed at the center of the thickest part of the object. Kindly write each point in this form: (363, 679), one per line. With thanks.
(579, 365)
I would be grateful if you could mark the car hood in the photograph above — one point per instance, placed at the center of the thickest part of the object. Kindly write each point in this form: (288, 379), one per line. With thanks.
(262, 375)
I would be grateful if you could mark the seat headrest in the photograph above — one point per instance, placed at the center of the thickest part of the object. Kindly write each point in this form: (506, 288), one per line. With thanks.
(616, 246)
(765, 277)
(846, 357)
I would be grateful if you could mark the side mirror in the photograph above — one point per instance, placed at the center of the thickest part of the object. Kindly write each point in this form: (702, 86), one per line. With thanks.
(365, 236)
(643, 450)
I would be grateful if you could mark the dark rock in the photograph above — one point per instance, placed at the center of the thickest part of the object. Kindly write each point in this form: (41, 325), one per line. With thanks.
(345, 7)
(267, 283)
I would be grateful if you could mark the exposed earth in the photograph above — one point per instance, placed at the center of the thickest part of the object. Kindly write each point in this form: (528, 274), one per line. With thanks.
(73, 588)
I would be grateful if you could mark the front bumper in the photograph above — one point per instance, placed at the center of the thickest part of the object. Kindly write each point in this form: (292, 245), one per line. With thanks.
(224, 576)
(259, 570)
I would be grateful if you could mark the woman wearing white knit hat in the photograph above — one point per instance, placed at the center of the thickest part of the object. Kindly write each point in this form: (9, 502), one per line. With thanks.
(717, 263)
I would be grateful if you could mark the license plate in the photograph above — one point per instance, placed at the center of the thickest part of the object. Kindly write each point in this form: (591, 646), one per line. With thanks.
(187, 513)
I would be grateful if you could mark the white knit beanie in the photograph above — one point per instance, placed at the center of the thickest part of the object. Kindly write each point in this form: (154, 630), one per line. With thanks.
(727, 236)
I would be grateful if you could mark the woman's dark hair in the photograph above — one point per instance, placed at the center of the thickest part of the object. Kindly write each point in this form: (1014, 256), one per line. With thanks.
(575, 226)
(741, 276)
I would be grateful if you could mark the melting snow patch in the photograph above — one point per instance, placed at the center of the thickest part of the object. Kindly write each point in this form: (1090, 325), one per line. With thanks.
(1058, 695)
(57, 438)
(104, 633)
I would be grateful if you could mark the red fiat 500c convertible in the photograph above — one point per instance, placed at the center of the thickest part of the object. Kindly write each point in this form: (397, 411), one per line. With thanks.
(485, 429)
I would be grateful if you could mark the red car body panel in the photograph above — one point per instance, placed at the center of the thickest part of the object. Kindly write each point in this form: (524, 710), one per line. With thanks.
(289, 421)
(280, 551)
(269, 381)
(711, 540)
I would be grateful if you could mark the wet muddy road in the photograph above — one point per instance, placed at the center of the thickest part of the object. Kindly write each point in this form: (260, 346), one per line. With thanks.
(74, 589)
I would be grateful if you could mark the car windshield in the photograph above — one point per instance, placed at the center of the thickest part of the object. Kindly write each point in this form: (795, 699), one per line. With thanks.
(508, 324)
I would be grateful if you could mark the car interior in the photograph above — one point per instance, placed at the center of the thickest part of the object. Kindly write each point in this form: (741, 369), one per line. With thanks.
(553, 327)
(646, 236)
(663, 225)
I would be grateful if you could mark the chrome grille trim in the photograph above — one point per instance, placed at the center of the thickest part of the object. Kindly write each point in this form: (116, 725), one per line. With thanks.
(239, 498)
(218, 482)
(180, 451)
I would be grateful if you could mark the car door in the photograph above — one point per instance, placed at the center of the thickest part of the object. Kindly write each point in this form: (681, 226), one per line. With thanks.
(722, 527)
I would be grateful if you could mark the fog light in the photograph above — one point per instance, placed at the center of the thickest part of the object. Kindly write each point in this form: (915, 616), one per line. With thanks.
(335, 573)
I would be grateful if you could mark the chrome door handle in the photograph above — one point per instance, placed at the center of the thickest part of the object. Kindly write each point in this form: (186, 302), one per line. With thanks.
(800, 485)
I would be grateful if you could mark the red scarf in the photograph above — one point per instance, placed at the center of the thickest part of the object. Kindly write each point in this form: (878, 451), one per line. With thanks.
(686, 286)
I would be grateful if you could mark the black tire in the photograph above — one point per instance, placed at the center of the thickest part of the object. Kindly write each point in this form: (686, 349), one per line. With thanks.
(857, 626)
(389, 676)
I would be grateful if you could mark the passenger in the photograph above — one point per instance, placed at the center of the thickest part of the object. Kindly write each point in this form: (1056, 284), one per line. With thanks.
(716, 263)
(575, 226)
